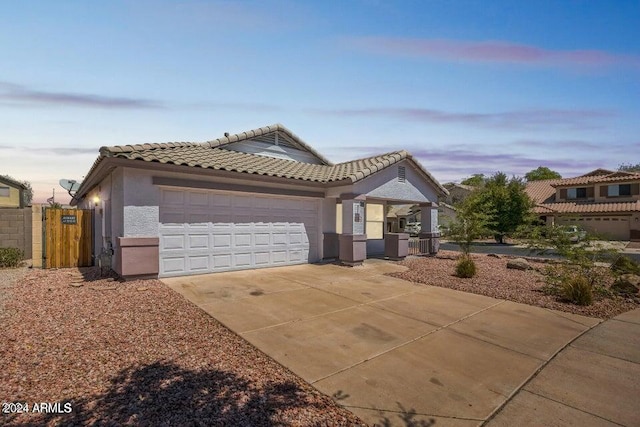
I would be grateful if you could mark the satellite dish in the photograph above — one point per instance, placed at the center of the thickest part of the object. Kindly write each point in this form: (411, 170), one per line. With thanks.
(71, 185)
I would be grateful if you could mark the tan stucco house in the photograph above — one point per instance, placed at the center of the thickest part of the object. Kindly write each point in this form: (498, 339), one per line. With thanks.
(255, 199)
(11, 193)
(602, 201)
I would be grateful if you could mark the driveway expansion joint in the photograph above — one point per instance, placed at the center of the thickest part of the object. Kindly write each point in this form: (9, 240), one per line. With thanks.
(407, 342)
(535, 374)
(571, 406)
(423, 414)
(604, 354)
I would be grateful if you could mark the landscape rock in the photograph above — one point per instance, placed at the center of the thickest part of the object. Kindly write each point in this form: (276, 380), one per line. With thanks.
(518, 264)
(627, 284)
(76, 284)
(495, 256)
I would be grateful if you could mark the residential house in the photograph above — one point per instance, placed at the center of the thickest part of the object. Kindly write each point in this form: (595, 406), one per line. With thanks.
(602, 201)
(11, 193)
(255, 199)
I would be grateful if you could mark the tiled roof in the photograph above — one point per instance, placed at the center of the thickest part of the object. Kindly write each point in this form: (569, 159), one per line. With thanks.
(594, 177)
(214, 155)
(204, 156)
(588, 207)
(543, 193)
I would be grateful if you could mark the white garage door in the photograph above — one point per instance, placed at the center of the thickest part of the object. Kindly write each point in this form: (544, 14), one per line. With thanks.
(206, 231)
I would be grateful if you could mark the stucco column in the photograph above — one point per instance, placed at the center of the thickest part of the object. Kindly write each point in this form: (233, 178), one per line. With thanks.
(353, 240)
(429, 226)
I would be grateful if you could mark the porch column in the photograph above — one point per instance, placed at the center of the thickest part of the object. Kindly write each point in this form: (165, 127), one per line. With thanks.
(353, 240)
(429, 226)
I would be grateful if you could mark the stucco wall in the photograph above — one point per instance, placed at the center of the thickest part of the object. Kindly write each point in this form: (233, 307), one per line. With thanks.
(385, 185)
(11, 201)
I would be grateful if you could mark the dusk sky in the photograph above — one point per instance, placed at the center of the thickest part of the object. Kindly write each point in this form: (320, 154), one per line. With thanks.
(465, 86)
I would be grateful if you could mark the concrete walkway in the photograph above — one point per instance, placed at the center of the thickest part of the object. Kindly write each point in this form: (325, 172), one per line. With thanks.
(595, 381)
(393, 352)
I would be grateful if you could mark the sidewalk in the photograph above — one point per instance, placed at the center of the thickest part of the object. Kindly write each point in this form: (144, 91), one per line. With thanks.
(592, 382)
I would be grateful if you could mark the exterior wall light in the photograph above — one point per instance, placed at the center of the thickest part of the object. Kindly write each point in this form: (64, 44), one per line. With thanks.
(96, 200)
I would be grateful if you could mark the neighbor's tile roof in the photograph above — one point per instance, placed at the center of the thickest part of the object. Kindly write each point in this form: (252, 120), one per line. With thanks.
(588, 207)
(543, 193)
(598, 176)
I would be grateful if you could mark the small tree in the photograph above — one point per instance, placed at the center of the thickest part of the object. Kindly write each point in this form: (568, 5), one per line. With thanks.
(541, 173)
(475, 180)
(628, 167)
(470, 224)
(507, 203)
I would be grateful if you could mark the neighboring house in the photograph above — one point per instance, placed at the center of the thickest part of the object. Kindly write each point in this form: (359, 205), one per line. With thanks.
(446, 210)
(398, 216)
(602, 201)
(457, 192)
(11, 193)
(255, 199)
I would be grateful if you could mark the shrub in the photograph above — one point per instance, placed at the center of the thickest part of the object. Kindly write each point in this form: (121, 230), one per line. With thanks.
(10, 257)
(466, 268)
(578, 290)
(625, 265)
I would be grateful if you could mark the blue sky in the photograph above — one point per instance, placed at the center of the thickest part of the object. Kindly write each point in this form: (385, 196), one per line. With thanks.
(466, 86)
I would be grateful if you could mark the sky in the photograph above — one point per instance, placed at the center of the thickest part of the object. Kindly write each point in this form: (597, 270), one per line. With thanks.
(465, 86)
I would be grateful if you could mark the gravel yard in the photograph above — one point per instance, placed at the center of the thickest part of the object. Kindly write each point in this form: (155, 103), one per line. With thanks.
(137, 353)
(493, 279)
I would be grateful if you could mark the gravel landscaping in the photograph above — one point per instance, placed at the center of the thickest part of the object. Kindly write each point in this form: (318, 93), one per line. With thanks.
(137, 353)
(493, 279)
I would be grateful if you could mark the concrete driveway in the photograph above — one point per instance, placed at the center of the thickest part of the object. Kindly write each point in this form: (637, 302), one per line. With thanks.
(387, 349)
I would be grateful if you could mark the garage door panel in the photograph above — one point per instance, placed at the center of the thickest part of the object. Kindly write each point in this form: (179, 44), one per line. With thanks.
(241, 260)
(172, 242)
(169, 217)
(208, 231)
(222, 261)
(199, 263)
(174, 265)
(198, 241)
(172, 197)
(242, 240)
(262, 239)
(221, 241)
(262, 259)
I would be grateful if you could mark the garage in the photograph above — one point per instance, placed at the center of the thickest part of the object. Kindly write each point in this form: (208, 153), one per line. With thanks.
(607, 227)
(204, 231)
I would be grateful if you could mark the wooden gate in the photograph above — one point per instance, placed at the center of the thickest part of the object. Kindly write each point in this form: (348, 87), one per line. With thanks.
(67, 238)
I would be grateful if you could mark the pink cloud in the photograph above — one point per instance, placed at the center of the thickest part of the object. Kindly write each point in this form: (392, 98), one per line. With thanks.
(523, 119)
(491, 51)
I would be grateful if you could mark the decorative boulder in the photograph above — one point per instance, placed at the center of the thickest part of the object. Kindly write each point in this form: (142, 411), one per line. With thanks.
(627, 284)
(518, 264)
(495, 256)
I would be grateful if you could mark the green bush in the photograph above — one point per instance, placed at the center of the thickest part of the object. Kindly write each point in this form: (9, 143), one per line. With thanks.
(578, 290)
(10, 257)
(625, 265)
(466, 268)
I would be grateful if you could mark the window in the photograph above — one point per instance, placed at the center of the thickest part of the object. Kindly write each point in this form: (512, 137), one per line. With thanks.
(374, 221)
(619, 190)
(402, 223)
(5, 191)
(577, 193)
